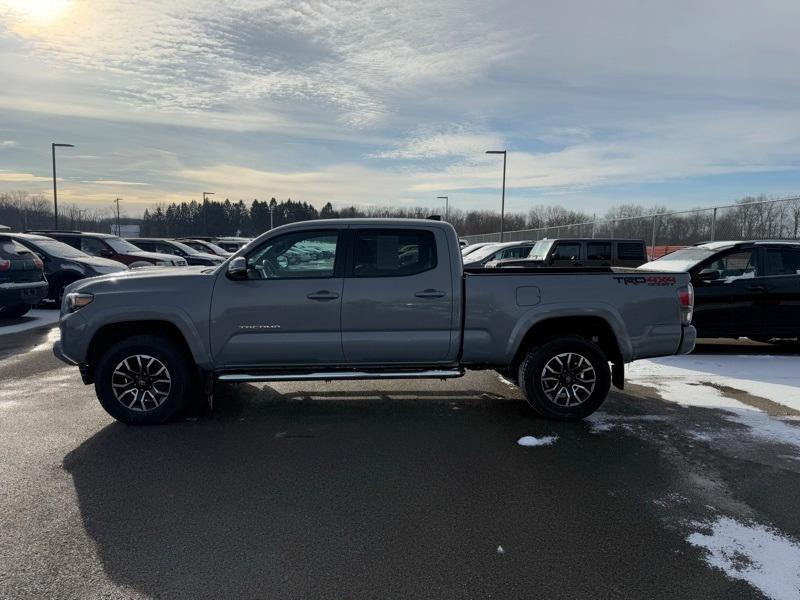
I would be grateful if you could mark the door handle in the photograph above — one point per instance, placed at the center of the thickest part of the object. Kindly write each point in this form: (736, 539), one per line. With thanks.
(429, 293)
(323, 295)
(757, 288)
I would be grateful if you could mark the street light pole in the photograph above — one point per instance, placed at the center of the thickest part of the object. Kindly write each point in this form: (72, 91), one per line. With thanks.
(53, 146)
(446, 202)
(503, 201)
(119, 231)
(205, 208)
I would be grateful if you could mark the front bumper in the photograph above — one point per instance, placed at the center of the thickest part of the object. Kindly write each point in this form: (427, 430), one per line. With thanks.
(687, 340)
(58, 351)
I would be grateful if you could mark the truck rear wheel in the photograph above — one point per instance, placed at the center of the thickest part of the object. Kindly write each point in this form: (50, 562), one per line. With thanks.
(565, 378)
(144, 380)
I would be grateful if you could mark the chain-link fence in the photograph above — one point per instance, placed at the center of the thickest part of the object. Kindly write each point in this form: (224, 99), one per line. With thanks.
(770, 219)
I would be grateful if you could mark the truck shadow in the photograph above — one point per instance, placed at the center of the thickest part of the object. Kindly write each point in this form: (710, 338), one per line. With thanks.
(361, 494)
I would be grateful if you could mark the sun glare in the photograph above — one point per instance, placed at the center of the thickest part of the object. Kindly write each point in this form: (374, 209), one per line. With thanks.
(41, 12)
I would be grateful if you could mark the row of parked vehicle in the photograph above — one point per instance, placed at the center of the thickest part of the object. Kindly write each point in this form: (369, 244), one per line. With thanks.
(742, 288)
(39, 265)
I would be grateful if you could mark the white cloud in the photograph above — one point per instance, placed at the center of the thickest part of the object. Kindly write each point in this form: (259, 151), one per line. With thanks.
(457, 142)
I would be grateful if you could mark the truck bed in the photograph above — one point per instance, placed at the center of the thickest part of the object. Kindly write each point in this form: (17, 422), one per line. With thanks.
(501, 305)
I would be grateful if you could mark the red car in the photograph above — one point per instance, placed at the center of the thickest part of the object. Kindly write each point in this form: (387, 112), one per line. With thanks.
(113, 247)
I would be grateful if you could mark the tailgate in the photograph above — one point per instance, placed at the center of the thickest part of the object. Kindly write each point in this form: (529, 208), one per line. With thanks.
(18, 264)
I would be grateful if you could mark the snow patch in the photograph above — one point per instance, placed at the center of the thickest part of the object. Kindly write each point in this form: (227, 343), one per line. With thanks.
(506, 381)
(776, 378)
(677, 385)
(529, 440)
(759, 555)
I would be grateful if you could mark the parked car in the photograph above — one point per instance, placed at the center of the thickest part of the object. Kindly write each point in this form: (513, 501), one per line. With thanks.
(22, 280)
(64, 264)
(175, 248)
(742, 289)
(463, 243)
(473, 247)
(366, 313)
(205, 246)
(580, 252)
(232, 244)
(113, 247)
(480, 257)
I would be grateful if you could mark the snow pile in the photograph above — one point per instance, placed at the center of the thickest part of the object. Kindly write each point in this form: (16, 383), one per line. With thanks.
(674, 385)
(776, 378)
(531, 441)
(753, 553)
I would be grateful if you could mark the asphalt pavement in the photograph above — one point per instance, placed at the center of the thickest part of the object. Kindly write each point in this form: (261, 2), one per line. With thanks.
(402, 489)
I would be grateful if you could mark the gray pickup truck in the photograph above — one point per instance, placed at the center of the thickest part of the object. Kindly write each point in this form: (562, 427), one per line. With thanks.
(365, 299)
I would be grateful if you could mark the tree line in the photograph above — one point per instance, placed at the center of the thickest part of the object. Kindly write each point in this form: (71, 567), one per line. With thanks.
(747, 219)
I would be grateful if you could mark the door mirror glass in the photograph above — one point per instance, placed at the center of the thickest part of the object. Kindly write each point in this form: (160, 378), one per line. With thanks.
(237, 268)
(709, 275)
(282, 261)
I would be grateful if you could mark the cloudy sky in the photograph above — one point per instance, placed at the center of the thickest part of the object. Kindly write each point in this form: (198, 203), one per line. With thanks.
(388, 102)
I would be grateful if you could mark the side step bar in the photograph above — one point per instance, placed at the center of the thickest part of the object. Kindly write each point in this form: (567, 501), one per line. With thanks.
(343, 375)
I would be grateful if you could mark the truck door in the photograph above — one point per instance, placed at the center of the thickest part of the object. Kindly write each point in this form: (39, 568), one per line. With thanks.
(287, 312)
(781, 281)
(398, 298)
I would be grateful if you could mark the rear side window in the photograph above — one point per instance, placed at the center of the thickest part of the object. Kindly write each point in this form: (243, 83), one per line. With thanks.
(630, 251)
(598, 251)
(392, 252)
(781, 261)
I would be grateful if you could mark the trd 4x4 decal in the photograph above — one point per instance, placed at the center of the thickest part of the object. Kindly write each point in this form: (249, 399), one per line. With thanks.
(649, 280)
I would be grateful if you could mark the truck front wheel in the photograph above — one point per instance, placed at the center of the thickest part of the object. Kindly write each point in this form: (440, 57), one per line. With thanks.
(565, 378)
(144, 380)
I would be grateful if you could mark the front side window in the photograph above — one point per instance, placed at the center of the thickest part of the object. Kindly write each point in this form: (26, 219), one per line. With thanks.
(92, 246)
(393, 252)
(781, 261)
(301, 255)
(734, 266)
(567, 252)
(518, 252)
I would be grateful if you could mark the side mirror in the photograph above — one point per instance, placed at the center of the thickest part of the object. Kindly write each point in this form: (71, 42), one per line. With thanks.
(106, 252)
(237, 268)
(709, 275)
(282, 261)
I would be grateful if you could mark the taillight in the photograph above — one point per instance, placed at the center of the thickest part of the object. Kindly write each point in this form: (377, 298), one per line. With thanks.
(5, 264)
(38, 262)
(686, 298)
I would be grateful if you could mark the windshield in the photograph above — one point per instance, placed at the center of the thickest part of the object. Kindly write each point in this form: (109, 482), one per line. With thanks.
(120, 245)
(539, 250)
(57, 249)
(682, 260)
(185, 249)
(202, 246)
(482, 253)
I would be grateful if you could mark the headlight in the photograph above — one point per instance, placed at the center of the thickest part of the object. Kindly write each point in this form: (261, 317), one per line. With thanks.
(76, 300)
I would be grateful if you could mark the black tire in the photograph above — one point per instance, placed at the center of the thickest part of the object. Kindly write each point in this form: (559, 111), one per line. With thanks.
(572, 408)
(57, 291)
(174, 398)
(15, 311)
